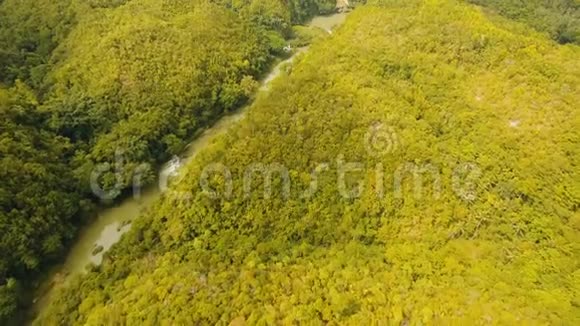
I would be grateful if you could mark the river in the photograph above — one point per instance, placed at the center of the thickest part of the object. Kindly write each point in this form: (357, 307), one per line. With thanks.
(111, 223)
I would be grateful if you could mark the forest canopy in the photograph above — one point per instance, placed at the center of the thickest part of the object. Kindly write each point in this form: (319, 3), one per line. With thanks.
(456, 89)
(558, 18)
(81, 81)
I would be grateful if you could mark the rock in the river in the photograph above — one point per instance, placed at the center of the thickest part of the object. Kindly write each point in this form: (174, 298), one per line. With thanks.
(98, 249)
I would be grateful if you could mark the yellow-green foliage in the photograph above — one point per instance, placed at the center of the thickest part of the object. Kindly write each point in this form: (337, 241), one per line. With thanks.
(37, 194)
(454, 88)
(558, 18)
(29, 31)
(142, 77)
(101, 77)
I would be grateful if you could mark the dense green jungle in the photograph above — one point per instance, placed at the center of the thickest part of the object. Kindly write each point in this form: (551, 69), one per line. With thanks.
(417, 164)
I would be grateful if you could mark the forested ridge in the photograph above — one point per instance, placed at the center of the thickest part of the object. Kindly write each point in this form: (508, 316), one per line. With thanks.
(560, 19)
(85, 82)
(457, 87)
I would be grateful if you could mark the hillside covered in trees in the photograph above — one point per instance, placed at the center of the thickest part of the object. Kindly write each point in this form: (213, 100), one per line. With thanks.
(560, 19)
(464, 210)
(84, 82)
